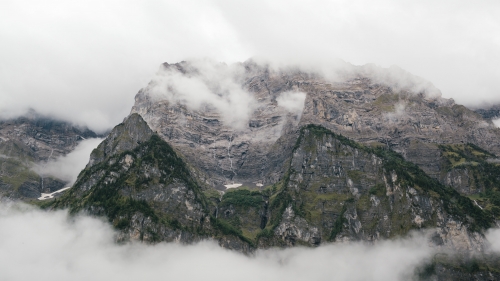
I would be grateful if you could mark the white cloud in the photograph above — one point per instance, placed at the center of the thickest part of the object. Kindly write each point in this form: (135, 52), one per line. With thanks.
(209, 84)
(292, 101)
(493, 237)
(84, 61)
(67, 167)
(453, 44)
(39, 245)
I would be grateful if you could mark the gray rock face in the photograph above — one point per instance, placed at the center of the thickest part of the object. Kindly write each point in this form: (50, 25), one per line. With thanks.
(359, 107)
(30, 189)
(225, 154)
(39, 138)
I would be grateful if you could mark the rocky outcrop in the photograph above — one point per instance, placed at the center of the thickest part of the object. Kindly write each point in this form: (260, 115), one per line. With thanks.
(125, 136)
(493, 112)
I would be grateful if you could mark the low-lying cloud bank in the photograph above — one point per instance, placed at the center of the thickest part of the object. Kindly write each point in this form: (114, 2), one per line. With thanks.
(39, 245)
(68, 167)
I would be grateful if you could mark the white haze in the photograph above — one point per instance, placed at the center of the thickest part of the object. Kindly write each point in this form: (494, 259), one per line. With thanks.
(398, 113)
(292, 101)
(493, 237)
(83, 61)
(68, 167)
(39, 245)
(497, 122)
(210, 85)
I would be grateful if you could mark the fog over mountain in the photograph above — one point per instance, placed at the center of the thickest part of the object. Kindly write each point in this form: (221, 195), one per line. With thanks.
(52, 246)
(84, 61)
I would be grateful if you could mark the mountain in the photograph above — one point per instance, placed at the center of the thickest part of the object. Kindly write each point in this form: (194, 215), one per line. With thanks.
(359, 107)
(33, 140)
(334, 189)
(306, 160)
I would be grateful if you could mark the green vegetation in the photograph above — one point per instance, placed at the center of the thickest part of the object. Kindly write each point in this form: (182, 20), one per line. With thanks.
(339, 224)
(16, 173)
(378, 190)
(112, 193)
(355, 175)
(227, 228)
(410, 174)
(242, 197)
(386, 101)
(484, 176)
(455, 111)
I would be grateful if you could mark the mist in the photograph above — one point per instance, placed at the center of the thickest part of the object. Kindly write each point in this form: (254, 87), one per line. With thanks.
(84, 61)
(496, 122)
(207, 86)
(292, 101)
(41, 245)
(67, 167)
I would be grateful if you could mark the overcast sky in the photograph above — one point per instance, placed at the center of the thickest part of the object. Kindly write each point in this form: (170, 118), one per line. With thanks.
(85, 60)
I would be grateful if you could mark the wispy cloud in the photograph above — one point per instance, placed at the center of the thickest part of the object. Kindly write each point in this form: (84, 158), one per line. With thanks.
(207, 86)
(84, 62)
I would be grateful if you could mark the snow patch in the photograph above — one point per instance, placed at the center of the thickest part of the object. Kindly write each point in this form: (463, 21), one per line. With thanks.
(234, 185)
(46, 196)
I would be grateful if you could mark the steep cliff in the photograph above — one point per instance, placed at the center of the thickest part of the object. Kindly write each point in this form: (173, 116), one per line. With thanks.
(410, 120)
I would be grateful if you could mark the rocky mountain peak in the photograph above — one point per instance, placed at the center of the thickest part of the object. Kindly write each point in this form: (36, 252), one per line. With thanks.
(125, 136)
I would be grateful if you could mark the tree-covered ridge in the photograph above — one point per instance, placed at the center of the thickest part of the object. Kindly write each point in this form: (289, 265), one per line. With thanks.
(478, 170)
